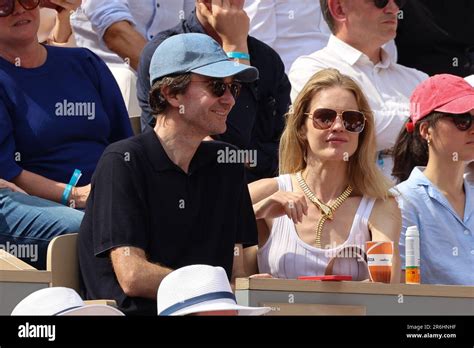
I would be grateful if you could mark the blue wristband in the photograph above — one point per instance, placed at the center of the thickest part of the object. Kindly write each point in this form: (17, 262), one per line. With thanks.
(238, 55)
(72, 183)
(66, 193)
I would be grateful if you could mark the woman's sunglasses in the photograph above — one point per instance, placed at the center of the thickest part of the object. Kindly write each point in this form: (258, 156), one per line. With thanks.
(8, 6)
(218, 87)
(462, 121)
(383, 3)
(353, 121)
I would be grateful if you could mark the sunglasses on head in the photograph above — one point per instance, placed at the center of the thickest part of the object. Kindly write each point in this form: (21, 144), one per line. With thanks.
(383, 3)
(462, 121)
(218, 87)
(8, 6)
(353, 121)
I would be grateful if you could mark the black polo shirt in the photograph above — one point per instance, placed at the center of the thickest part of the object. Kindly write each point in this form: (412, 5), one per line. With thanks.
(257, 119)
(140, 198)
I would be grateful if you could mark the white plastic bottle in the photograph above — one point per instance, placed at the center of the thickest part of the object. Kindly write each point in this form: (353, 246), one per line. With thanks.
(412, 255)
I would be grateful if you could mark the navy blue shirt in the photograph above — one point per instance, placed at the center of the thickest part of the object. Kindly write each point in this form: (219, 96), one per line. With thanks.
(60, 116)
(257, 119)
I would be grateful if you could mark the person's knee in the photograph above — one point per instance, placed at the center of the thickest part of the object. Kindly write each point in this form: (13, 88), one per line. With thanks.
(30, 217)
(65, 220)
(33, 232)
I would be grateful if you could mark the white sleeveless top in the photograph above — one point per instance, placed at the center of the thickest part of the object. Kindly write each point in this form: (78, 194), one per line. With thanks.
(285, 255)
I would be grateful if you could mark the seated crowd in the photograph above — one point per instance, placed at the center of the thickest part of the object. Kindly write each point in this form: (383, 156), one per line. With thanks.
(226, 179)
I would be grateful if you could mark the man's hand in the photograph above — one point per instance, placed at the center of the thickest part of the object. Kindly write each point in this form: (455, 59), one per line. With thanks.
(293, 204)
(229, 21)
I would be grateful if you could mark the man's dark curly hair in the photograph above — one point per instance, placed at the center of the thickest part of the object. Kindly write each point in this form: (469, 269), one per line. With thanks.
(176, 84)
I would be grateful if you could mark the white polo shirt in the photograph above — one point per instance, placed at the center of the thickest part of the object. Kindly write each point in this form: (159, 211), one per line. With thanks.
(387, 85)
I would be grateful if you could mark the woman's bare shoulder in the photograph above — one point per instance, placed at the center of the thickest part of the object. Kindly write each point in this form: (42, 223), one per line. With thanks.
(390, 205)
(386, 217)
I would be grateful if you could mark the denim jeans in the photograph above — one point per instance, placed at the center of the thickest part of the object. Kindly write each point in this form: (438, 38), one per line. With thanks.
(28, 223)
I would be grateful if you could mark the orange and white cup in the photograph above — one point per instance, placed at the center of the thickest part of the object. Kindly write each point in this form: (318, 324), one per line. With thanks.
(379, 260)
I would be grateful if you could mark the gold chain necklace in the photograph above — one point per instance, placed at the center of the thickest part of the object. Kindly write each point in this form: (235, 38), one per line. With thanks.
(327, 211)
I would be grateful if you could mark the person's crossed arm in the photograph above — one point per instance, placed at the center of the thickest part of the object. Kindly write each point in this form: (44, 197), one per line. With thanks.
(138, 277)
(43, 187)
(122, 38)
(115, 25)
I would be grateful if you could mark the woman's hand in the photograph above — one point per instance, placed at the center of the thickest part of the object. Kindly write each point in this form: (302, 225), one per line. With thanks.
(11, 186)
(62, 30)
(68, 5)
(261, 275)
(293, 204)
(79, 196)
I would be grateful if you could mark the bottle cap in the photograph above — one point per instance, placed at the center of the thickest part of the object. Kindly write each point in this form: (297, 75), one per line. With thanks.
(412, 231)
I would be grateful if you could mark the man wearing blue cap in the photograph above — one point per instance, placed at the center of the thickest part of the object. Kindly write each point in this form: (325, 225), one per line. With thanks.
(256, 122)
(163, 199)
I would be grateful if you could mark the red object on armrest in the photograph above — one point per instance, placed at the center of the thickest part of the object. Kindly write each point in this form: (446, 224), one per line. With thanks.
(327, 278)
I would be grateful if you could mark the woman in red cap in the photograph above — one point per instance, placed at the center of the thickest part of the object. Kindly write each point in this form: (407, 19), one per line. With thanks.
(439, 199)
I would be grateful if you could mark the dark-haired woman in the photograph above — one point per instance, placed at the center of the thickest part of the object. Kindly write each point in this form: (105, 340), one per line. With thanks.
(439, 199)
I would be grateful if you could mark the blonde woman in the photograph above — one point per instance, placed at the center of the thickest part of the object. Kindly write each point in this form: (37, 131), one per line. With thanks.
(330, 195)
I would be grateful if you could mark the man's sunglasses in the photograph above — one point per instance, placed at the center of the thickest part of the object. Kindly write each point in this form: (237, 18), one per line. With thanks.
(383, 3)
(218, 87)
(462, 121)
(353, 121)
(8, 6)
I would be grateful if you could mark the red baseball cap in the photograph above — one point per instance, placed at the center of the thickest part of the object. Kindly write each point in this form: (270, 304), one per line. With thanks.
(444, 93)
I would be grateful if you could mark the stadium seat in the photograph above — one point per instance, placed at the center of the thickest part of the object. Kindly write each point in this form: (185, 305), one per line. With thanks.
(63, 263)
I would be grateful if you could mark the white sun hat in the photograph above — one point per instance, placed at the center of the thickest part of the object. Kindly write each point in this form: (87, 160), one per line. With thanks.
(60, 301)
(199, 288)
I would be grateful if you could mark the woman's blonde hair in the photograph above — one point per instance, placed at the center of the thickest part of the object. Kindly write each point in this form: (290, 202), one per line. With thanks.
(364, 175)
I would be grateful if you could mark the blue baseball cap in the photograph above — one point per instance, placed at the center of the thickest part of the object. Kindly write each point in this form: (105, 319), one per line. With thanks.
(196, 53)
